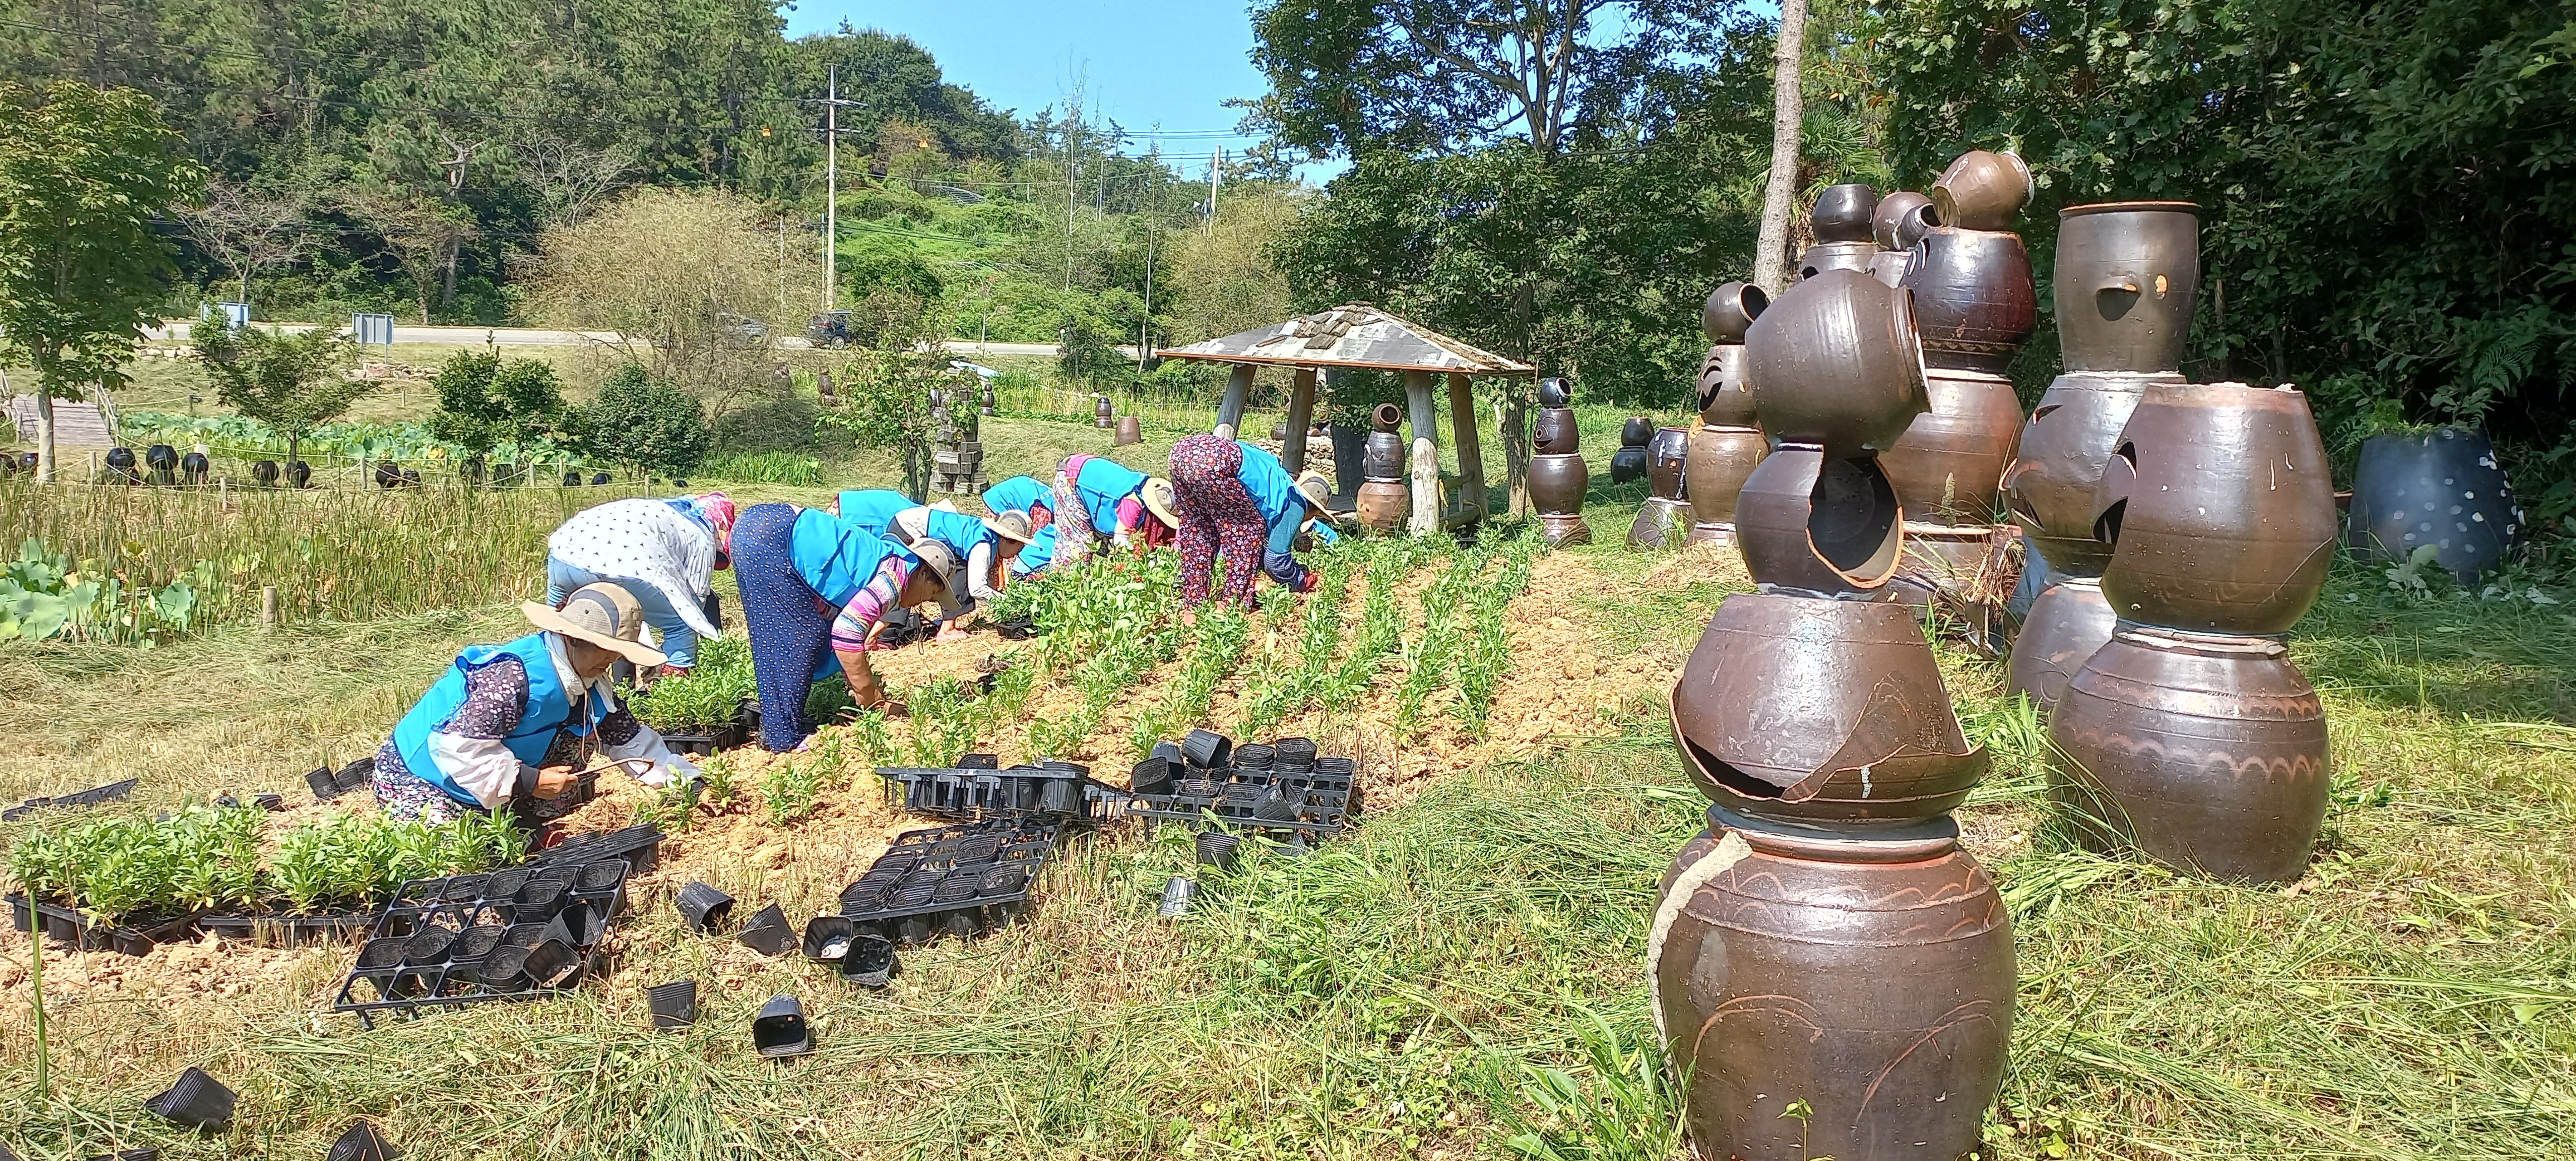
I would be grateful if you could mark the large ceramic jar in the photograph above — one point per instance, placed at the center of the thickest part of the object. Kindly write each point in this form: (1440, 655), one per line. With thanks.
(2127, 276)
(1382, 457)
(1556, 483)
(1981, 191)
(1842, 213)
(2219, 510)
(1819, 524)
(1821, 712)
(1720, 460)
(1725, 393)
(1950, 462)
(1667, 459)
(2065, 625)
(2441, 488)
(1824, 256)
(1835, 362)
(1555, 434)
(1871, 980)
(1383, 504)
(1629, 462)
(1974, 302)
(2057, 467)
(2206, 753)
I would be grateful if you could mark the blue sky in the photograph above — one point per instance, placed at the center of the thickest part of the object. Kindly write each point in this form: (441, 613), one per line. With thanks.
(1155, 66)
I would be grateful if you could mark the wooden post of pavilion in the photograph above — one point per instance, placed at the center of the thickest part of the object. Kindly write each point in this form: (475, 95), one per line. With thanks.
(1471, 452)
(1238, 390)
(1301, 414)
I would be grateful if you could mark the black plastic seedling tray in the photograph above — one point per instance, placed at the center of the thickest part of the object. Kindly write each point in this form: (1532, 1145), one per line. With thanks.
(640, 846)
(1318, 802)
(974, 789)
(328, 784)
(137, 936)
(90, 797)
(514, 934)
(291, 930)
(961, 880)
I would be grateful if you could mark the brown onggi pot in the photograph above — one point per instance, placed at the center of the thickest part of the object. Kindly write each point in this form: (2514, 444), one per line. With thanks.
(1949, 464)
(1974, 302)
(1899, 220)
(1842, 213)
(2067, 622)
(2220, 509)
(1822, 712)
(1822, 525)
(1725, 394)
(1982, 191)
(1871, 979)
(1667, 459)
(2058, 466)
(1383, 504)
(1730, 309)
(1556, 483)
(1835, 362)
(1555, 434)
(1720, 460)
(1889, 266)
(1824, 256)
(1129, 431)
(2206, 753)
(2127, 276)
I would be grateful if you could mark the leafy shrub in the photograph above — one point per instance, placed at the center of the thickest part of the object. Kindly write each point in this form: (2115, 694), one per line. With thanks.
(652, 425)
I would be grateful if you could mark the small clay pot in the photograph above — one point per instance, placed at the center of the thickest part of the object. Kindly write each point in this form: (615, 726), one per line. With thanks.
(1730, 309)
(1842, 213)
(1129, 431)
(1974, 302)
(264, 471)
(1555, 434)
(1819, 524)
(1822, 712)
(779, 1029)
(2206, 753)
(1635, 431)
(2068, 622)
(1628, 465)
(2128, 274)
(1557, 482)
(1101, 413)
(1949, 465)
(2057, 467)
(1668, 462)
(1725, 391)
(2219, 508)
(1982, 191)
(1899, 223)
(1858, 257)
(1553, 391)
(2441, 488)
(1721, 459)
(1835, 362)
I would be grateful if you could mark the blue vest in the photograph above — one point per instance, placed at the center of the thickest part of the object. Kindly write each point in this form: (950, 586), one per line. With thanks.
(1016, 495)
(1103, 483)
(833, 557)
(873, 509)
(1039, 553)
(960, 532)
(549, 709)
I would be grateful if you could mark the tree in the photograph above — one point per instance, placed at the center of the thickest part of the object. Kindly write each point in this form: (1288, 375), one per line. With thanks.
(887, 384)
(484, 401)
(1788, 121)
(82, 174)
(291, 382)
(1222, 278)
(423, 233)
(648, 424)
(250, 229)
(687, 277)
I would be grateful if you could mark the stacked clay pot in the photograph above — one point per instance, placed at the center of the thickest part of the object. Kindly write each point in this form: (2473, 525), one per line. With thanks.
(1725, 445)
(1902, 219)
(2127, 274)
(1629, 462)
(1557, 476)
(1664, 520)
(1840, 220)
(1975, 304)
(1383, 500)
(1826, 940)
(2190, 737)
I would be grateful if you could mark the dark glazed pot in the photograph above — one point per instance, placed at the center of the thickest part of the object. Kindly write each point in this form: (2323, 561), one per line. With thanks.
(1721, 458)
(2206, 753)
(1950, 462)
(298, 474)
(2441, 488)
(1872, 980)
(1555, 391)
(1556, 483)
(1817, 524)
(1835, 362)
(1824, 256)
(1349, 448)
(1731, 308)
(1667, 458)
(1899, 220)
(1821, 712)
(1889, 266)
(1842, 213)
(1725, 393)
(1974, 302)
(1628, 464)
(1555, 433)
(2127, 276)
(1383, 454)
(1981, 191)
(2219, 508)
(1101, 412)
(1383, 504)
(2065, 626)
(2058, 466)
(1635, 431)
(264, 471)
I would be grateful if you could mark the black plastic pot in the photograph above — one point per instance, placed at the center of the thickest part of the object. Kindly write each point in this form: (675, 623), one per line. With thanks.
(505, 970)
(524, 935)
(1207, 749)
(979, 761)
(475, 945)
(827, 937)
(1216, 849)
(553, 964)
(325, 787)
(1005, 880)
(912, 930)
(599, 876)
(1254, 756)
(362, 1142)
(779, 1029)
(428, 946)
(1060, 796)
(381, 953)
(464, 888)
(543, 894)
(870, 962)
(767, 932)
(1177, 897)
(962, 924)
(703, 907)
(1295, 755)
(1153, 776)
(269, 802)
(577, 927)
(506, 884)
(675, 1004)
(196, 1100)
(1277, 804)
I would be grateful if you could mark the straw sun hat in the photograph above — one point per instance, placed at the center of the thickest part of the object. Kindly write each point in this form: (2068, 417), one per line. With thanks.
(1161, 500)
(605, 615)
(1316, 490)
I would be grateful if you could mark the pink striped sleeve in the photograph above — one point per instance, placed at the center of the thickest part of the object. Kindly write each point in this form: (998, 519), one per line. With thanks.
(875, 599)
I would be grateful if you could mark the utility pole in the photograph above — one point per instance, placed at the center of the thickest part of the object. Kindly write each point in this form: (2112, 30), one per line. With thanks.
(1144, 344)
(831, 180)
(1072, 126)
(1216, 176)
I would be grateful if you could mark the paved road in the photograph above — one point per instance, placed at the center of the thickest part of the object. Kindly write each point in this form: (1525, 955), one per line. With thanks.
(539, 337)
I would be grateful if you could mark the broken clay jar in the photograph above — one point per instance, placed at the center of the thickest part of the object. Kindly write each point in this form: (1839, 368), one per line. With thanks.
(1660, 523)
(1949, 465)
(1555, 433)
(2066, 624)
(1817, 524)
(1129, 431)
(1857, 257)
(1835, 361)
(2057, 466)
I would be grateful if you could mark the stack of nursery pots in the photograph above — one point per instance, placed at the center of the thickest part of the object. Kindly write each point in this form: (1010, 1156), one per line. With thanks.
(2189, 736)
(1825, 942)
(1664, 520)
(1975, 304)
(2127, 274)
(1725, 445)
(1557, 477)
(1383, 500)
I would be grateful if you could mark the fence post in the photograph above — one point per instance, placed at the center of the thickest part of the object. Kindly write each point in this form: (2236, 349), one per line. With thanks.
(268, 608)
